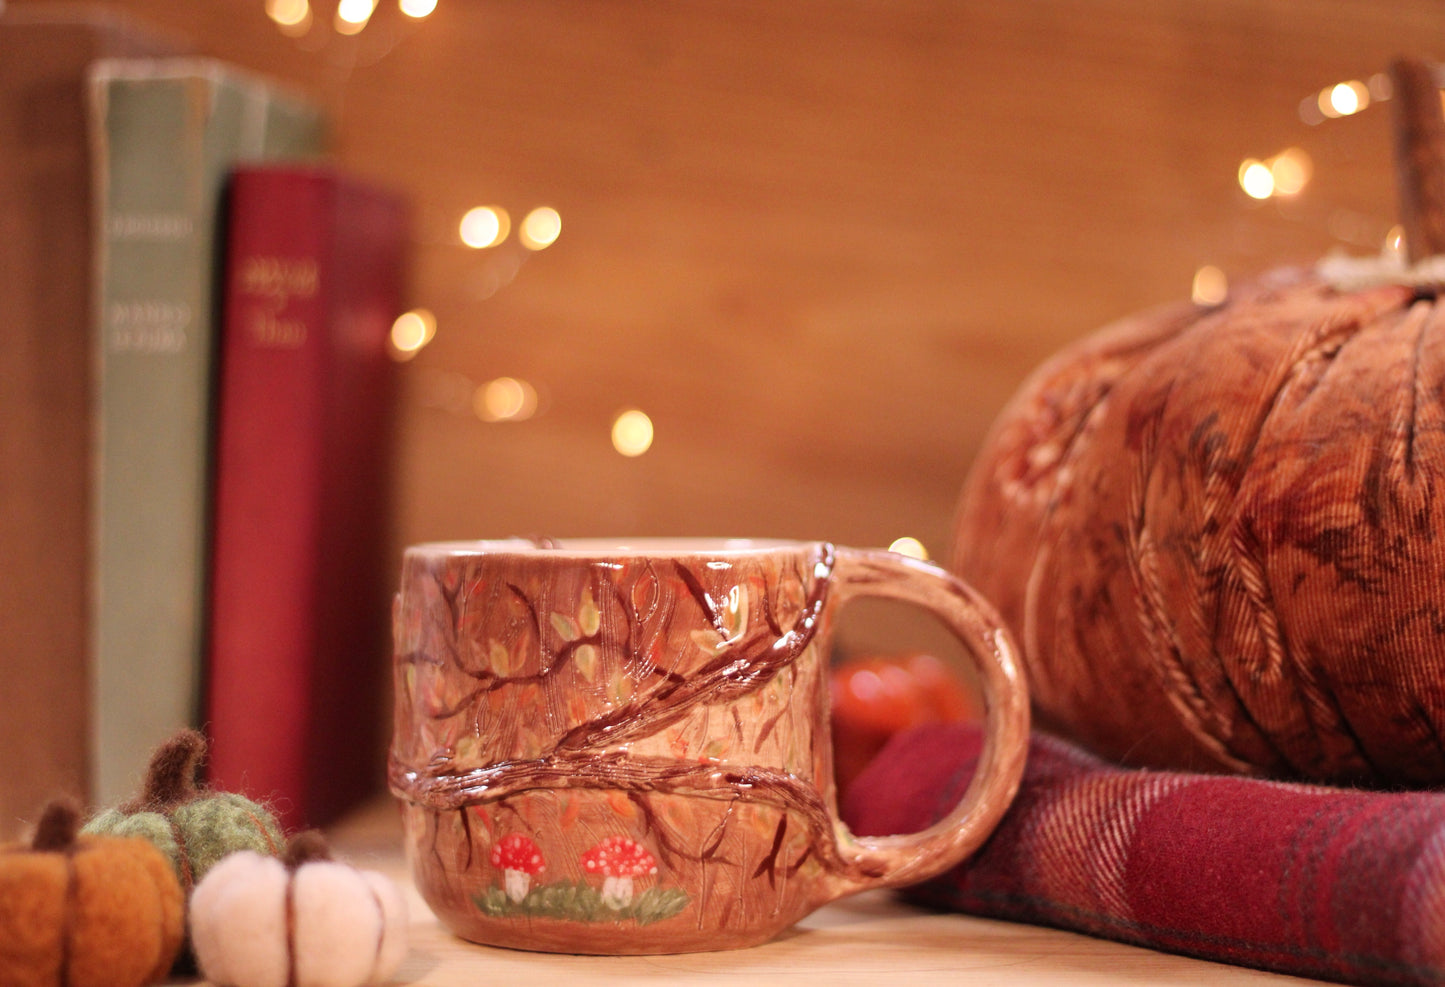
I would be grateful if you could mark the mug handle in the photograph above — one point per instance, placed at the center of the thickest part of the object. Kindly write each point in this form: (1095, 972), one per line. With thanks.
(889, 861)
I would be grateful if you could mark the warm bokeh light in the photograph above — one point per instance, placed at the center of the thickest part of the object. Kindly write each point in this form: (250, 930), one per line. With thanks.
(909, 546)
(1344, 99)
(352, 15)
(1309, 111)
(446, 389)
(541, 228)
(632, 433)
(1255, 179)
(1210, 286)
(485, 226)
(1287, 173)
(411, 331)
(290, 15)
(1349, 97)
(1290, 171)
(1394, 245)
(417, 8)
(505, 399)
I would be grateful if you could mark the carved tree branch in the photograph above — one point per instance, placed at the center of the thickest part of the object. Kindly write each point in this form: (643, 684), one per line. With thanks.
(590, 755)
(618, 771)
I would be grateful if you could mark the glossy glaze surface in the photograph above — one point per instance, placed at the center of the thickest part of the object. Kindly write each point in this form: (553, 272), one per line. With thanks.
(623, 749)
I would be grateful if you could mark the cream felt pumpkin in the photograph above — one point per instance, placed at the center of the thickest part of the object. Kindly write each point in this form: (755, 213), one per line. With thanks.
(304, 921)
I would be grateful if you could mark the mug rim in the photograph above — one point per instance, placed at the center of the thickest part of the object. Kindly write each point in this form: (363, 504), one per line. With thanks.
(622, 548)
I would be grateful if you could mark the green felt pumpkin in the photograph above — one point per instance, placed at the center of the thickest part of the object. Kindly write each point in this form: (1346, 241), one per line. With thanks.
(194, 826)
(86, 911)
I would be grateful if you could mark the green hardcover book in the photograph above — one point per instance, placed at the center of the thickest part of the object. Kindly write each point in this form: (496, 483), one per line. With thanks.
(166, 132)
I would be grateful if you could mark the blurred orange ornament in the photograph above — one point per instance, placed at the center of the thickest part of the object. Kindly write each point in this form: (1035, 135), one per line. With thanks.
(876, 696)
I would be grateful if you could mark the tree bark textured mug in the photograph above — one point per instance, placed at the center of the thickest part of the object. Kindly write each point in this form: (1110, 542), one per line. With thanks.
(622, 747)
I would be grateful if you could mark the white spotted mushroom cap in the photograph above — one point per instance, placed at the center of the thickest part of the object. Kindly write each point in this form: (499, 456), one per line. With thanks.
(619, 856)
(517, 852)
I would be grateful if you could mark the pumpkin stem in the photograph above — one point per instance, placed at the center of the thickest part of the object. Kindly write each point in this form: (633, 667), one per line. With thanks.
(1419, 157)
(305, 847)
(57, 828)
(173, 771)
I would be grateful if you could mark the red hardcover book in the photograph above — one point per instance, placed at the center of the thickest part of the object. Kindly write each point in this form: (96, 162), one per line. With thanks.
(298, 642)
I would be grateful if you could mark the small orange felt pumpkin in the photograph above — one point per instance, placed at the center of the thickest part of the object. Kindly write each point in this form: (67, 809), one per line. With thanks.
(86, 911)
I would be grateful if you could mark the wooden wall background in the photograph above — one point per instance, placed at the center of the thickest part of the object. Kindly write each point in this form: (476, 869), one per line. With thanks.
(819, 242)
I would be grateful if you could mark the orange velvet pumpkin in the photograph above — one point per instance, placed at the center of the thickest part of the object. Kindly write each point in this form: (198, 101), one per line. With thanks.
(1219, 532)
(87, 911)
(1220, 535)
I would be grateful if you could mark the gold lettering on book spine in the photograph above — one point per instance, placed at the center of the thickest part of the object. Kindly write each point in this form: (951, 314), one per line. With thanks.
(271, 283)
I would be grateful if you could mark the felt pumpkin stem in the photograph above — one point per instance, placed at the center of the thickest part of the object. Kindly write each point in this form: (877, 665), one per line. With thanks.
(1419, 157)
(304, 848)
(171, 776)
(59, 824)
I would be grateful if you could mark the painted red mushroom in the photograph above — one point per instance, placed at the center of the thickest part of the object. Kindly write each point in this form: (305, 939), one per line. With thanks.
(618, 859)
(520, 861)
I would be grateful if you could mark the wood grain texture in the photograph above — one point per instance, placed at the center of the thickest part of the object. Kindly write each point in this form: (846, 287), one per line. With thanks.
(819, 244)
(866, 940)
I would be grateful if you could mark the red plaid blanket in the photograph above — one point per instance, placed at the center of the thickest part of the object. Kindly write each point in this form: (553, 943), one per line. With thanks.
(1320, 882)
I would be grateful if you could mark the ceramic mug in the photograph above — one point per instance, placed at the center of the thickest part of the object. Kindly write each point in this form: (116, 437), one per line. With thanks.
(623, 747)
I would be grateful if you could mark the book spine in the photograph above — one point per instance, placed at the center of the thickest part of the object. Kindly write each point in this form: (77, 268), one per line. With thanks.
(166, 135)
(359, 576)
(299, 634)
(274, 382)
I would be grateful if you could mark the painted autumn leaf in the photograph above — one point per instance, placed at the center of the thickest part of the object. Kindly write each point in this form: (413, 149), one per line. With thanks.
(734, 619)
(645, 593)
(621, 687)
(469, 749)
(589, 618)
(565, 626)
(499, 658)
(577, 708)
(709, 641)
(586, 661)
(621, 805)
(735, 613)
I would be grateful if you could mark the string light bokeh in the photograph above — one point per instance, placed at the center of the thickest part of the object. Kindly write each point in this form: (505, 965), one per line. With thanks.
(296, 18)
(1287, 174)
(1274, 177)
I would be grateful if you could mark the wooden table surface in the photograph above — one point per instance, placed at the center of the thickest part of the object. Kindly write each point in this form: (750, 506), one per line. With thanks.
(870, 939)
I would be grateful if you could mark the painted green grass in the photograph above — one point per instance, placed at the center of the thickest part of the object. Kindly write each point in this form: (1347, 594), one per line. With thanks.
(581, 902)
